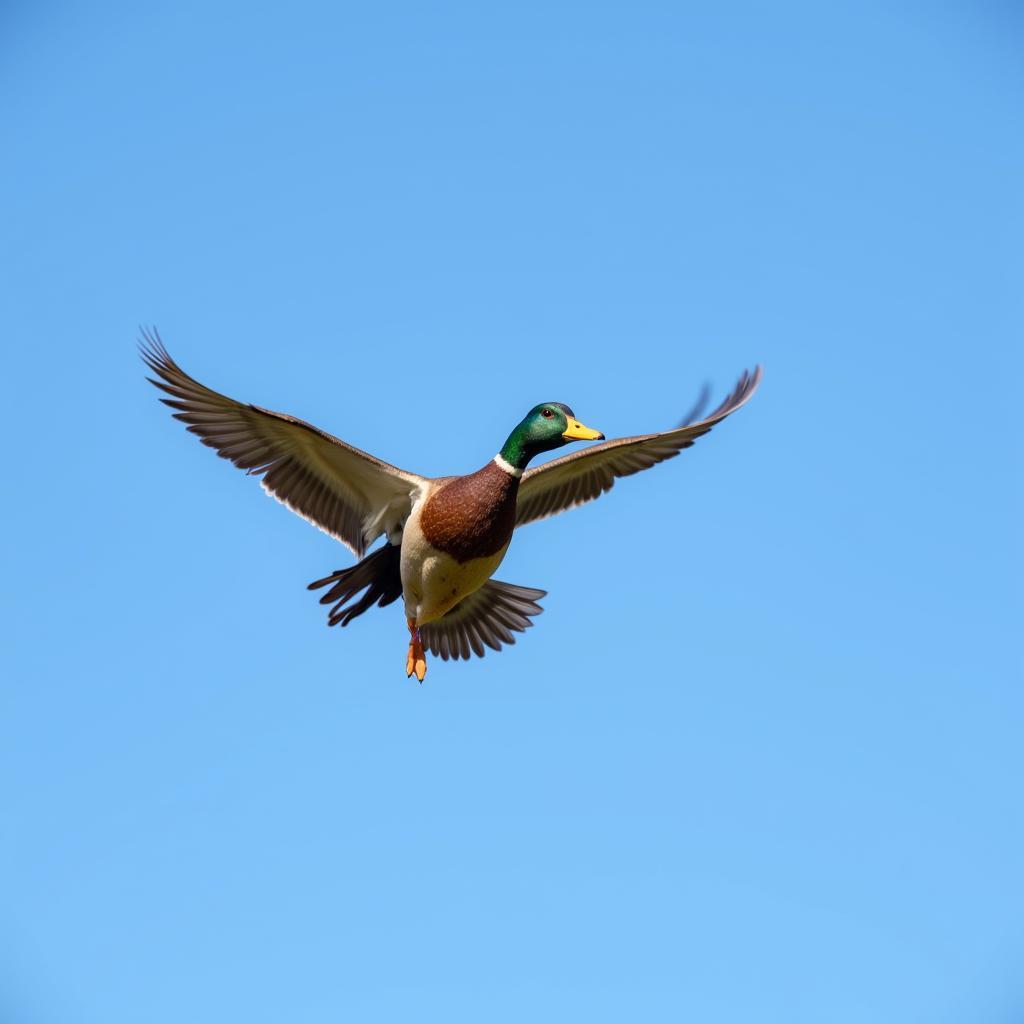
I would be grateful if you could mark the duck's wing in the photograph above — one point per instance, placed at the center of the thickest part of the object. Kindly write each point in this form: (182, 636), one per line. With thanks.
(585, 475)
(490, 615)
(345, 492)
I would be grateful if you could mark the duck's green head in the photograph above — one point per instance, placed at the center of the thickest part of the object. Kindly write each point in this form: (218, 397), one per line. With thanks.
(545, 427)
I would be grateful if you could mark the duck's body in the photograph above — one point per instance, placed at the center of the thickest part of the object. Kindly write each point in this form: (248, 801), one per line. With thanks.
(455, 538)
(445, 536)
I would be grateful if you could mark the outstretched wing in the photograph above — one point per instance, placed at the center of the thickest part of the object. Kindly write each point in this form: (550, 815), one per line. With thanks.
(345, 492)
(488, 616)
(585, 475)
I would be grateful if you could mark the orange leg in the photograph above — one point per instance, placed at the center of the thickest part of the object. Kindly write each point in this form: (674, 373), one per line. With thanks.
(417, 659)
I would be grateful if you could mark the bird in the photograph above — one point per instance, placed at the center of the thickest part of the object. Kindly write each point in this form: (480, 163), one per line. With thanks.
(445, 536)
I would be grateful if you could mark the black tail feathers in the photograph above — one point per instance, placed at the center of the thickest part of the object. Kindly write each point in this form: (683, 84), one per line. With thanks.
(379, 574)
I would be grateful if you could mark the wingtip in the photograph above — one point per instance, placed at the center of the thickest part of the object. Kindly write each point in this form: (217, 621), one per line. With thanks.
(748, 382)
(151, 346)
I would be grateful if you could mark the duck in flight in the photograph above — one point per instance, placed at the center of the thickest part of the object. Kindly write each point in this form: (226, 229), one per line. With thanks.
(445, 535)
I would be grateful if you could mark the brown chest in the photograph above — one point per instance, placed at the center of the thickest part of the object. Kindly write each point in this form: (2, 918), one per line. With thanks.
(472, 516)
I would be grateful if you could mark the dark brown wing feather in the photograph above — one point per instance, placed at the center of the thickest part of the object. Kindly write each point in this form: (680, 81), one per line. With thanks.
(489, 616)
(378, 574)
(342, 490)
(585, 475)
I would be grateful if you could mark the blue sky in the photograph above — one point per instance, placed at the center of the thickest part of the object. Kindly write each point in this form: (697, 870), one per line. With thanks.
(760, 760)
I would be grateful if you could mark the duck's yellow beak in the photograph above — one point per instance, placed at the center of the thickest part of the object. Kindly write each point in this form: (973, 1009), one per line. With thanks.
(577, 432)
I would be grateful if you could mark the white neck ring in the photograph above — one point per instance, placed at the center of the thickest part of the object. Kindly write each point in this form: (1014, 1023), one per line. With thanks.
(507, 466)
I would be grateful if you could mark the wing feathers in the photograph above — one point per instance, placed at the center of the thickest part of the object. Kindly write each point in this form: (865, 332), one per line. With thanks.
(338, 488)
(585, 475)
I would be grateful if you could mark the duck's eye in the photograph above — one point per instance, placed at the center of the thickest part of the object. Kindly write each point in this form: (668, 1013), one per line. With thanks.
(546, 413)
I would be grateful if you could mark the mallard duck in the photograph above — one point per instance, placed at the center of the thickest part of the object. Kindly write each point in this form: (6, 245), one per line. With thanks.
(445, 535)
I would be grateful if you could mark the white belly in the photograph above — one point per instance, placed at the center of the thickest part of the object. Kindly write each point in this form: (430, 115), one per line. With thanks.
(433, 582)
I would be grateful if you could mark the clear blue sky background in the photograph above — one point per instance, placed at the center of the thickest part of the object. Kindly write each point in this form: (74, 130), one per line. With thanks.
(761, 758)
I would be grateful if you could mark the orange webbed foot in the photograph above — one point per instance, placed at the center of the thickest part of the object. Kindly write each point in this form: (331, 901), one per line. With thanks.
(416, 661)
